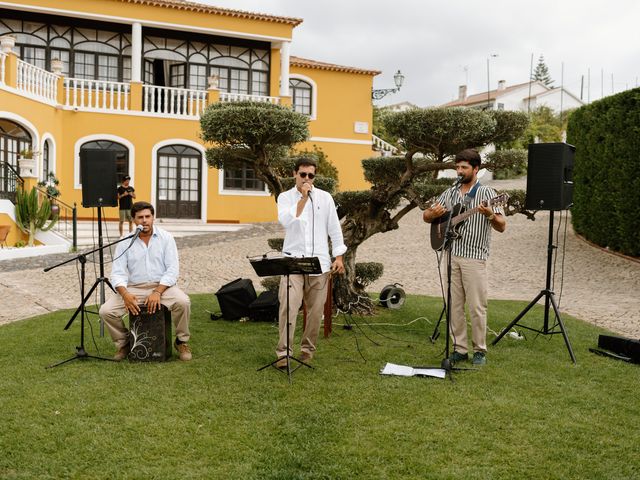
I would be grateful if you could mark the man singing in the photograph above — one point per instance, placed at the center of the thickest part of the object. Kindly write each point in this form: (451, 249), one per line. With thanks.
(469, 253)
(145, 272)
(309, 216)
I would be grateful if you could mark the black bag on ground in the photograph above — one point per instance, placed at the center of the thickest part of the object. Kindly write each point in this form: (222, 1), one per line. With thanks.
(235, 297)
(265, 308)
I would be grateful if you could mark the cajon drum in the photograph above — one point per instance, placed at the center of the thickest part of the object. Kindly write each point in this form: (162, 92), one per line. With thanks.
(150, 335)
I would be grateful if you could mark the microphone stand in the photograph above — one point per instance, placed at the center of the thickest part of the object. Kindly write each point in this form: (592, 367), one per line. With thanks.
(81, 353)
(446, 364)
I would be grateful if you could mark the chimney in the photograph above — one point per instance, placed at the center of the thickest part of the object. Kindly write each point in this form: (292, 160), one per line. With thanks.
(462, 92)
(501, 85)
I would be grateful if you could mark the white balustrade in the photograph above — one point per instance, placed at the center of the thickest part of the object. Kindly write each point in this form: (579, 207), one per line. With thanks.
(37, 82)
(96, 94)
(243, 97)
(170, 101)
(385, 147)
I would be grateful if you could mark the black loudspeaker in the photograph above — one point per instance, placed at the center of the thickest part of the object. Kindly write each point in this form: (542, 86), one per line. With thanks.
(550, 176)
(622, 346)
(98, 177)
(235, 297)
(265, 308)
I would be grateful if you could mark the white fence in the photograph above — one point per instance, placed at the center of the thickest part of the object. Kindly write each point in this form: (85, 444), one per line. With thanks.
(243, 97)
(386, 148)
(96, 94)
(172, 101)
(37, 82)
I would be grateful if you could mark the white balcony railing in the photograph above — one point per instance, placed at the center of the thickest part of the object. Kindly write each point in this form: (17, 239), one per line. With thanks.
(96, 94)
(37, 82)
(172, 101)
(243, 97)
(3, 58)
(385, 147)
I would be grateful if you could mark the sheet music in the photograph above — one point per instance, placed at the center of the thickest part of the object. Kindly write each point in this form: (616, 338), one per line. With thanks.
(406, 371)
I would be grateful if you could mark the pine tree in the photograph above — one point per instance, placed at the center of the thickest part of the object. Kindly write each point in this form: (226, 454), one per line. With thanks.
(541, 73)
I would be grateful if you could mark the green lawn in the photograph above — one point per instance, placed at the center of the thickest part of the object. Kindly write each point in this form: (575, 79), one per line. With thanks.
(530, 413)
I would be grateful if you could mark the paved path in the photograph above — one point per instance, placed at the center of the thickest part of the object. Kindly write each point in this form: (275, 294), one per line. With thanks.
(592, 284)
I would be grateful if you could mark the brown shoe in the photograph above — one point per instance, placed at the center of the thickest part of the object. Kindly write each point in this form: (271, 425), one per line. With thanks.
(306, 357)
(282, 363)
(184, 351)
(122, 353)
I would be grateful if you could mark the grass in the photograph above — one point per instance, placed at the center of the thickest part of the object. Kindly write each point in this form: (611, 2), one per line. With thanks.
(530, 413)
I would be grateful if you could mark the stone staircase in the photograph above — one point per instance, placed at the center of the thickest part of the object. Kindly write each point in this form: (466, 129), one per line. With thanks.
(88, 229)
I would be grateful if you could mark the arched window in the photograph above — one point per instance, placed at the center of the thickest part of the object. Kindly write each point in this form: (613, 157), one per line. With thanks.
(13, 140)
(179, 179)
(122, 155)
(301, 96)
(46, 161)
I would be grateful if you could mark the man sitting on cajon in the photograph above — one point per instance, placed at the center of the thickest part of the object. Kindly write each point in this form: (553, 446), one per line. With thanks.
(145, 272)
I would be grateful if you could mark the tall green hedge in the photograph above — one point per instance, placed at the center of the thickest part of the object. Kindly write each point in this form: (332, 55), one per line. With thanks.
(606, 173)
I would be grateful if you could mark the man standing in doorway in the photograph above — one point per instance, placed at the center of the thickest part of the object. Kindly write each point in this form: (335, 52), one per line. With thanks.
(469, 253)
(126, 194)
(309, 216)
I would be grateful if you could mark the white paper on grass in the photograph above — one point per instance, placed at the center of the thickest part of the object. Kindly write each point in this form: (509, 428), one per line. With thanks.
(406, 371)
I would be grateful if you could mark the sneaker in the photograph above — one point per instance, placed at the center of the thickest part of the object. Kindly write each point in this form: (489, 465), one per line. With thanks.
(184, 351)
(456, 357)
(122, 353)
(479, 358)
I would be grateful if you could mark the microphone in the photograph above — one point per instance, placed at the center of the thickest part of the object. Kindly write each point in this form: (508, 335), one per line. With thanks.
(309, 195)
(139, 229)
(458, 180)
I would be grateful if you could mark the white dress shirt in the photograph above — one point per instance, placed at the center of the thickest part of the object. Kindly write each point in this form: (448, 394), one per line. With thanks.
(308, 234)
(142, 263)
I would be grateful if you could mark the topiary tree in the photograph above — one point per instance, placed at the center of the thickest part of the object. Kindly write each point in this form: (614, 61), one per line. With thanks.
(32, 215)
(260, 134)
(245, 132)
(399, 184)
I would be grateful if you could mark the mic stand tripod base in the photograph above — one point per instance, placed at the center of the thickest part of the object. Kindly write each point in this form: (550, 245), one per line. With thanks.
(81, 354)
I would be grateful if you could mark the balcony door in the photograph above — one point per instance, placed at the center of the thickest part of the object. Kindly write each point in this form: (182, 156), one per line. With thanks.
(179, 179)
(13, 140)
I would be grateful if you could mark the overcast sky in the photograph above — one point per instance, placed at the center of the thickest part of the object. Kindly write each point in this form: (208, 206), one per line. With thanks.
(439, 45)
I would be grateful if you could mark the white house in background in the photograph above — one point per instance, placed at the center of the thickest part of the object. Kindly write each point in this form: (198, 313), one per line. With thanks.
(517, 97)
(400, 107)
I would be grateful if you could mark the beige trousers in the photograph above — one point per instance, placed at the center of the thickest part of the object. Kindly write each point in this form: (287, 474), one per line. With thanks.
(468, 285)
(311, 289)
(112, 311)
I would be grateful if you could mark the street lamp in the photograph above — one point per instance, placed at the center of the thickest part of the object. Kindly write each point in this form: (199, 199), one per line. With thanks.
(494, 55)
(398, 79)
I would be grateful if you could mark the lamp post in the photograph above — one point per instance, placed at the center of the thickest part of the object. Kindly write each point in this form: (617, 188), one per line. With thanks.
(398, 79)
(494, 55)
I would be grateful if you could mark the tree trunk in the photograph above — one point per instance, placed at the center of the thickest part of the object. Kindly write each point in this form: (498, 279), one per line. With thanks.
(347, 297)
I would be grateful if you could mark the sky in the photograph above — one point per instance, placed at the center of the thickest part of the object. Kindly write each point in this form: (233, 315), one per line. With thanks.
(439, 45)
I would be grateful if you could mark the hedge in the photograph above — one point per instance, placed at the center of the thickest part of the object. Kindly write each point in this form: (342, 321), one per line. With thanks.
(606, 172)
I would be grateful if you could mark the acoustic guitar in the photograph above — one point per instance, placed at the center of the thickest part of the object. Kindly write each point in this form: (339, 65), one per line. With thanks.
(458, 216)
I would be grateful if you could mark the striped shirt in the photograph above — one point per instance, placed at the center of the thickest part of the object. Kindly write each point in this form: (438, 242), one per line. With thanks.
(475, 231)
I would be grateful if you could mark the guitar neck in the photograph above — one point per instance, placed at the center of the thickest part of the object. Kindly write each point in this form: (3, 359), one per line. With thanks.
(463, 216)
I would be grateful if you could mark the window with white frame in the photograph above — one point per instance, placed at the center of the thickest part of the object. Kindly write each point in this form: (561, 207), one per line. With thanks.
(301, 95)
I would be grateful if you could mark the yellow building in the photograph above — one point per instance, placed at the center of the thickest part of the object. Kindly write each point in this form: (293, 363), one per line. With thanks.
(132, 77)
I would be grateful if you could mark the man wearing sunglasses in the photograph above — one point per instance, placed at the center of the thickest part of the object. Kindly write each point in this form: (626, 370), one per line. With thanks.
(309, 217)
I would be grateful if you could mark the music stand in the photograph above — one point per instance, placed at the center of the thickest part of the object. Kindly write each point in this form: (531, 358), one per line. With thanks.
(268, 267)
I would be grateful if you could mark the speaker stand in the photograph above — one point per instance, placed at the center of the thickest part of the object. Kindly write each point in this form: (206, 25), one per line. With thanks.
(550, 300)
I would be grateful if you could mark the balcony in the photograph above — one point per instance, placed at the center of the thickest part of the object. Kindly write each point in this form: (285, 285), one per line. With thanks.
(102, 96)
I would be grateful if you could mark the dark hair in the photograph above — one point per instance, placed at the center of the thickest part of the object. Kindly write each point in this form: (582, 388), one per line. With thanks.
(305, 162)
(139, 206)
(470, 155)
(125, 178)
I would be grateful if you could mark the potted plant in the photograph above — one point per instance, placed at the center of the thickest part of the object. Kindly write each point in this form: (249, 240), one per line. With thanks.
(32, 215)
(26, 154)
(50, 188)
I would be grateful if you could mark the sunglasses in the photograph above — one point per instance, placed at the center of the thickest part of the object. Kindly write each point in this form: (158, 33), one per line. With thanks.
(305, 175)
